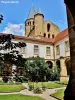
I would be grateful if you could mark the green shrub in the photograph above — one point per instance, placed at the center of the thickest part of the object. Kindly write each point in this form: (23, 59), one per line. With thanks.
(43, 88)
(55, 74)
(37, 91)
(20, 79)
(30, 87)
(5, 79)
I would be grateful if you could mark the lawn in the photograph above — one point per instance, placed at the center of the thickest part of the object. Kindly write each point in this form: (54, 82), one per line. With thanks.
(59, 94)
(18, 97)
(11, 87)
(48, 84)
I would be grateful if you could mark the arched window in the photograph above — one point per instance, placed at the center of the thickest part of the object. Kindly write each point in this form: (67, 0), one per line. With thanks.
(53, 35)
(48, 35)
(28, 23)
(48, 27)
(33, 22)
(44, 34)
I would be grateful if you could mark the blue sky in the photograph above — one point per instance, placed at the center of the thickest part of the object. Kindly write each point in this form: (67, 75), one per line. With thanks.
(16, 14)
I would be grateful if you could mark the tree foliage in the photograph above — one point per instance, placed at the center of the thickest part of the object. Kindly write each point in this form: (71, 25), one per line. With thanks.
(12, 56)
(36, 68)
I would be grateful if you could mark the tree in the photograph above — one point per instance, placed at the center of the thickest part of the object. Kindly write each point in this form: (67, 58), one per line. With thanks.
(12, 56)
(1, 18)
(36, 68)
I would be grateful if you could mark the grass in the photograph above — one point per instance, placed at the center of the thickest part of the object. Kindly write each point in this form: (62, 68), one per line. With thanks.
(18, 97)
(59, 94)
(48, 84)
(11, 88)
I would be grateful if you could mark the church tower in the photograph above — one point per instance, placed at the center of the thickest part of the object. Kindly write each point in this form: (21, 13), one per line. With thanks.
(36, 26)
(39, 23)
(29, 23)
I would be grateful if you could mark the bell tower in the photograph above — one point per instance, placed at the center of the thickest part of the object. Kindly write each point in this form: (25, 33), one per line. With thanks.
(29, 23)
(39, 23)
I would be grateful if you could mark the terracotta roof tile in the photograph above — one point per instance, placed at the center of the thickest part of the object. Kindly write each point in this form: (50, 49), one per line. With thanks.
(37, 39)
(60, 36)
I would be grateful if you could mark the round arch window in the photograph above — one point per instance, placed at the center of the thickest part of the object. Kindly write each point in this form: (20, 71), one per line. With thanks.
(44, 34)
(48, 35)
(28, 23)
(48, 27)
(53, 35)
(33, 22)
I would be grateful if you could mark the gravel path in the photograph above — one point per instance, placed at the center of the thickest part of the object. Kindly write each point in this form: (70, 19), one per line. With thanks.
(45, 94)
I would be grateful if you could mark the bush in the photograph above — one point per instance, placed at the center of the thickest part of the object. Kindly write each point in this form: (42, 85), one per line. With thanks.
(37, 91)
(43, 88)
(30, 87)
(5, 79)
(20, 79)
(55, 75)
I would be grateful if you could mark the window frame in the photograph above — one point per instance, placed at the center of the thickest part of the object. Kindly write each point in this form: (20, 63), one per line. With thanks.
(57, 50)
(23, 50)
(67, 48)
(48, 51)
(36, 49)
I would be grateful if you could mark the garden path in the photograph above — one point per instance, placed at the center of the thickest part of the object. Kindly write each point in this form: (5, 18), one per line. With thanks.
(46, 94)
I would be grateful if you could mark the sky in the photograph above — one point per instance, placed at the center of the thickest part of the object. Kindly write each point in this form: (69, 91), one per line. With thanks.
(15, 12)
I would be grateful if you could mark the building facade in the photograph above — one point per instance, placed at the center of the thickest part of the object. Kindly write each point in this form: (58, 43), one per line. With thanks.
(56, 50)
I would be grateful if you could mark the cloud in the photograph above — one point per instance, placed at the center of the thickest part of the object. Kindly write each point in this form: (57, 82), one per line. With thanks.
(16, 29)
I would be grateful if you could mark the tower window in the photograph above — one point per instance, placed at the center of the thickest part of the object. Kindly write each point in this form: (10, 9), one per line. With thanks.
(48, 35)
(53, 36)
(48, 27)
(33, 22)
(28, 23)
(44, 34)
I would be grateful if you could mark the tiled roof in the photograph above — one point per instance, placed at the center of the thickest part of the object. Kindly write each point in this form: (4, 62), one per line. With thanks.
(60, 36)
(37, 39)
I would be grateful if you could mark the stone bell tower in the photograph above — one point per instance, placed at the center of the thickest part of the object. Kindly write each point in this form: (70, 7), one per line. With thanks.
(29, 23)
(39, 23)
